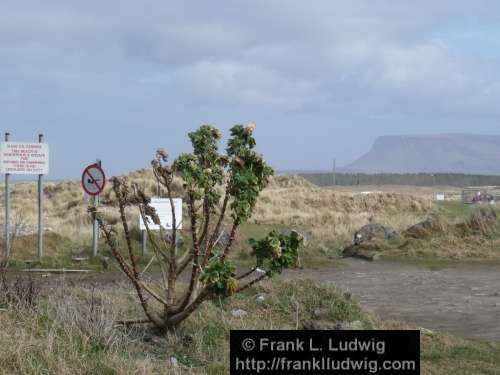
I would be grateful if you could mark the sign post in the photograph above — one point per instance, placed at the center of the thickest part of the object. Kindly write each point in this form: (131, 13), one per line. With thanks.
(7, 208)
(24, 158)
(40, 208)
(93, 181)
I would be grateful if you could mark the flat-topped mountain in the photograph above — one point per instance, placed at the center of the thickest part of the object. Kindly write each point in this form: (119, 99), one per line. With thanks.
(459, 153)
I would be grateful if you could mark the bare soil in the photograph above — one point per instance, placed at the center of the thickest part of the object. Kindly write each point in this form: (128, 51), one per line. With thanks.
(461, 299)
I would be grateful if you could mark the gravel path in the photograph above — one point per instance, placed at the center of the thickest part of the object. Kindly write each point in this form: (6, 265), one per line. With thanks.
(463, 300)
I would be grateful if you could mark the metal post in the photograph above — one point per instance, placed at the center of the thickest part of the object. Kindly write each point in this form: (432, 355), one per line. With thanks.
(144, 239)
(95, 228)
(7, 208)
(40, 209)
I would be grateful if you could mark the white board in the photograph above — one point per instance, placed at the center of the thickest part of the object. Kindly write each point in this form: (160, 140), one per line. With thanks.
(440, 197)
(24, 158)
(164, 211)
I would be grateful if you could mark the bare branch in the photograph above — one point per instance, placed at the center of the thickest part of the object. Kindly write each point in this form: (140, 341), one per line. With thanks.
(216, 235)
(248, 273)
(232, 236)
(196, 252)
(253, 282)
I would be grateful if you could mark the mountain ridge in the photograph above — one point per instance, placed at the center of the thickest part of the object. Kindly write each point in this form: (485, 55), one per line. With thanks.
(431, 153)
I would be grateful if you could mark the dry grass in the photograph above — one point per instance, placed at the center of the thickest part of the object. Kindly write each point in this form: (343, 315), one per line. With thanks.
(327, 215)
(334, 216)
(71, 331)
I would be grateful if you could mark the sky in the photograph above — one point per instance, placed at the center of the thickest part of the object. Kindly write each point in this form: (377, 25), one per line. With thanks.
(115, 80)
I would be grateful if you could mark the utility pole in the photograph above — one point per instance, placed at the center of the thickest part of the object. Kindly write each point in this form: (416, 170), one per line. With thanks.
(334, 173)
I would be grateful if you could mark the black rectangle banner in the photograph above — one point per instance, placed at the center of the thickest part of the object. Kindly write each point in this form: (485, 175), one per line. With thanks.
(325, 352)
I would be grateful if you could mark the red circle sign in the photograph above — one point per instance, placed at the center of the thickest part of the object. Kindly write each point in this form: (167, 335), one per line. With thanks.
(93, 179)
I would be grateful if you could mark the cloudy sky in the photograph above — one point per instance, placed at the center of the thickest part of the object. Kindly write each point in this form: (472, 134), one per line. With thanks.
(322, 79)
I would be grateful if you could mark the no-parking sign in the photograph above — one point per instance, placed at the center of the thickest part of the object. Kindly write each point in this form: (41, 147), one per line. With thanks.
(93, 179)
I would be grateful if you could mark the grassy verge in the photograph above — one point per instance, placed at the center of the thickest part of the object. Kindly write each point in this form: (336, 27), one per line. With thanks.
(454, 210)
(63, 252)
(71, 331)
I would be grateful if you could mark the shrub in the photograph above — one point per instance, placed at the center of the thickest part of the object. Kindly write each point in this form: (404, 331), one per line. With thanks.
(219, 190)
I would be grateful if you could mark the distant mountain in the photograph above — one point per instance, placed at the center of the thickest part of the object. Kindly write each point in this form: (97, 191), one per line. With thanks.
(458, 153)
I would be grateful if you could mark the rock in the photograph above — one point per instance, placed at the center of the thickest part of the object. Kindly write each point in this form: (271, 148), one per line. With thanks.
(424, 229)
(239, 313)
(319, 313)
(369, 240)
(366, 250)
(174, 362)
(374, 231)
(260, 298)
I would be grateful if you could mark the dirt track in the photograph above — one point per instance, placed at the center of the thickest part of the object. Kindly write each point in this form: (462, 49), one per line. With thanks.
(463, 300)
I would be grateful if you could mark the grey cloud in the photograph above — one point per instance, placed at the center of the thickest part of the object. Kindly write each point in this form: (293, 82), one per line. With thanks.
(373, 64)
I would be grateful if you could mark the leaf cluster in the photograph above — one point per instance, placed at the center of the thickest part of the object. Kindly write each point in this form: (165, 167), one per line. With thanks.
(277, 251)
(220, 277)
(249, 172)
(203, 169)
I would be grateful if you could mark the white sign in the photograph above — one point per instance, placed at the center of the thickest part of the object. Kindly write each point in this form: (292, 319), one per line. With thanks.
(24, 158)
(440, 197)
(164, 212)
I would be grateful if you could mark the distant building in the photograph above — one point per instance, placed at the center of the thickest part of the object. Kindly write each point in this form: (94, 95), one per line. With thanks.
(481, 194)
